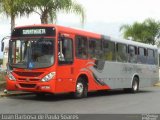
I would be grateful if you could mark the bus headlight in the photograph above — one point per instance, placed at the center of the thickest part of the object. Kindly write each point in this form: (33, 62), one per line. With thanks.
(10, 76)
(48, 77)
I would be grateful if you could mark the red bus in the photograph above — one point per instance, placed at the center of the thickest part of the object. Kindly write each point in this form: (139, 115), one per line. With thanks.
(56, 59)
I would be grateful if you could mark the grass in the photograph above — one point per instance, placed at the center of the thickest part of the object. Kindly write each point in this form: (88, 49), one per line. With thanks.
(2, 80)
(2, 76)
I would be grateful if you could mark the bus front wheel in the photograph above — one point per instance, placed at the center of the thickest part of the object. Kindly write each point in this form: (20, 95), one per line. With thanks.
(81, 89)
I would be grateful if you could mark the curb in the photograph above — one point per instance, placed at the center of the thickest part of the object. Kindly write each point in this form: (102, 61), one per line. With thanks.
(2, 94)
(10, 93)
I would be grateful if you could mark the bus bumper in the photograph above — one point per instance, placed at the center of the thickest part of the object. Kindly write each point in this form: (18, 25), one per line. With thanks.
(48, 87)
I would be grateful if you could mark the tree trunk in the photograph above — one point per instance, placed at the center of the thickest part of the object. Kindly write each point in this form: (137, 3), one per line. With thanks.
(44, 17)
(12, 22)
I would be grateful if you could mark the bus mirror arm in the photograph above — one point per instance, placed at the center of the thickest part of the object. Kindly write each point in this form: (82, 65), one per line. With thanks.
(2, 46)
(61, 37)
(2, 43)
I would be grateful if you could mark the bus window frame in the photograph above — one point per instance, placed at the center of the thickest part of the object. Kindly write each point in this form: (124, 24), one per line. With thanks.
(126, 54)
(114, 52)
(101, 48)
(60, 63)
(76, 48)
(135, 53)
(153, 56)
(145, 55)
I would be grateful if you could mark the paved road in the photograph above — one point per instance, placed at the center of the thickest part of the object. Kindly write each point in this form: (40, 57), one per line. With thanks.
(146, 101)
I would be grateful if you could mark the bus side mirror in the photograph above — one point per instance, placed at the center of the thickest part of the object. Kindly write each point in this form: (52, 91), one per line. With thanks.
(2, 46)
(2, 42)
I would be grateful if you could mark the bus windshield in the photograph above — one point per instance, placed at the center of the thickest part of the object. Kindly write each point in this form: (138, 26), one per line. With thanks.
(31, 53)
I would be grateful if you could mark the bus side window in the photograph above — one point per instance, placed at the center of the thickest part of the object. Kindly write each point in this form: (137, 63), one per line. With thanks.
(81, 47)
(65, 51)
(150, 58)
(121, 53)
(108, 50)
(95, 49)
(132, 54)
(142, 55)
(156, 56)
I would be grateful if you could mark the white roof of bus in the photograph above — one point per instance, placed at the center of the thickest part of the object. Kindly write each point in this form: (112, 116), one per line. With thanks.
(130, 42)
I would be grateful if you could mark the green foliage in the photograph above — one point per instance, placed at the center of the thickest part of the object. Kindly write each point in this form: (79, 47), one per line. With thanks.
(13, 9)
(146, 32)
(2, 76)
(48, 9)
(1, 61)
(0, 6)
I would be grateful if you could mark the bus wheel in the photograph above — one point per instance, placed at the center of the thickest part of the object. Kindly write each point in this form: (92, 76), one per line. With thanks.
(81, 89)
(135, 85)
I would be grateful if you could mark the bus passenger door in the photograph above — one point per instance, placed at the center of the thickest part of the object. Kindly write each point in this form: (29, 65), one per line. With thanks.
(65, 70)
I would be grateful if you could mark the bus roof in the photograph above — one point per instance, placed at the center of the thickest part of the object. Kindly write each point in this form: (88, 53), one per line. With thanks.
(129, 42)
(91, 34)
(65, 29)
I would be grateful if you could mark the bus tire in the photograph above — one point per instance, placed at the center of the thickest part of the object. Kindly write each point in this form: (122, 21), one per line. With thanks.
(81, 89)
(135, 85)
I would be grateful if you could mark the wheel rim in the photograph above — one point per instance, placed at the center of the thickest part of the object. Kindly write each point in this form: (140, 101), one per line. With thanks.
(80, 88)
(135, 86)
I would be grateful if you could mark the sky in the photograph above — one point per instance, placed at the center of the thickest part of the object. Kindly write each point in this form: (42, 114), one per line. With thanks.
(102, 16)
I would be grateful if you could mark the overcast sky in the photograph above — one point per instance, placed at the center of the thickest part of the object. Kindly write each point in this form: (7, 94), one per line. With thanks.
(102, 16)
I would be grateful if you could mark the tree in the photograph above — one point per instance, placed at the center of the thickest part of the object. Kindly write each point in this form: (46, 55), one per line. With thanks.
(48, 9)
(0, 6)
(13, 8)
(146, 32)
(1, 61)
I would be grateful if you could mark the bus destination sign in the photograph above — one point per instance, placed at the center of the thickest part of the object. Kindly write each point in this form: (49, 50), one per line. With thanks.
(33, 32)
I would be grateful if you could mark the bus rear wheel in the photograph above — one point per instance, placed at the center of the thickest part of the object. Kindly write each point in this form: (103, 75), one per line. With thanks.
(81, 89)
(135, 85)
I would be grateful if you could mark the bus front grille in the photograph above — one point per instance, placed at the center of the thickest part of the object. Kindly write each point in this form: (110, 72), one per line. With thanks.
(28, 80)
(28, 74)
(27, 85)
